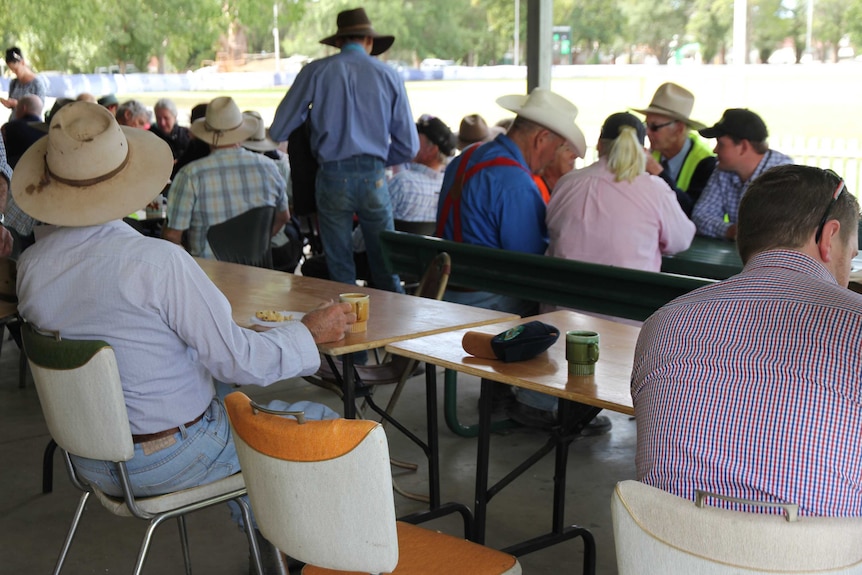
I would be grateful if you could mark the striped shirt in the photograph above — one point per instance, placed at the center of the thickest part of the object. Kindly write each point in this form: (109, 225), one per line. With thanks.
(414, 192)
(752, 388)
(722, 194)
(227, 183)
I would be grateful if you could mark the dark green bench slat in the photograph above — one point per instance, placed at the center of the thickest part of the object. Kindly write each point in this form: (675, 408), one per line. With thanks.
(706, 258)
(619, 292)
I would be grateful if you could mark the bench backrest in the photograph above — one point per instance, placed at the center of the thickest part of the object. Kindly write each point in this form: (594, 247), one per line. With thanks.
(619, 292)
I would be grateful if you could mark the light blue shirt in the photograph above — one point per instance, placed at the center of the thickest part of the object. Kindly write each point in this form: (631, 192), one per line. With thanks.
(169, 325)
(674, 164)
(358, 106)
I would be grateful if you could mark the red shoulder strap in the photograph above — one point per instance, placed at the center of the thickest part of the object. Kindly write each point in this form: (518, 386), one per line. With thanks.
(452, 202)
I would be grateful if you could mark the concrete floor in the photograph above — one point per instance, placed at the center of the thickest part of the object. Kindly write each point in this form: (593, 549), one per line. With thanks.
(33, 525)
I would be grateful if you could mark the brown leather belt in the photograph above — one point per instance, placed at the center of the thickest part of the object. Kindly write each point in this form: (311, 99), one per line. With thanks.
(145, 437)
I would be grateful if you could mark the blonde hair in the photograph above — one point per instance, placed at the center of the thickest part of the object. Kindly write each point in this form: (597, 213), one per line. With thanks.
(626, 157)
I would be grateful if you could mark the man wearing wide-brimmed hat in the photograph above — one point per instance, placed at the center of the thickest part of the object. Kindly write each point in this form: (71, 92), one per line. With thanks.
(95, 277)
(359, 122)
(228, 182)
(679, 156)
(489, 198)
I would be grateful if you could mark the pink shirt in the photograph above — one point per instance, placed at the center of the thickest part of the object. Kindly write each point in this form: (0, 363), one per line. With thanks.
(593, 218)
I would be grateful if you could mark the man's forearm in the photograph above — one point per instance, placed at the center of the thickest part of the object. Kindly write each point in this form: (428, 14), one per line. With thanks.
(172, 235)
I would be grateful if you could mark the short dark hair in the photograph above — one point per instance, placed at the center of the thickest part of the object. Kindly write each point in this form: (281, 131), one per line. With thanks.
(14, 54)
(783, 207)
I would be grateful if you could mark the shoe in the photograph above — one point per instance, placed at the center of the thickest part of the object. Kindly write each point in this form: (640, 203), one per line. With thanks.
(599, 425)
(532, 417)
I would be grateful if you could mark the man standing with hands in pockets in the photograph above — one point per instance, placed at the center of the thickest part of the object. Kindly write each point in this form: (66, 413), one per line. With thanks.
(359, 122)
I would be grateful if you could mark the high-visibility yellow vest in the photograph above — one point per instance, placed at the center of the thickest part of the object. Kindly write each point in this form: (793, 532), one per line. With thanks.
(699, 150)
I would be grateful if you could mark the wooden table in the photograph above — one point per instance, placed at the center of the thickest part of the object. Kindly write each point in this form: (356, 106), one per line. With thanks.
(706, 258)
(393, 317)
(547, 373)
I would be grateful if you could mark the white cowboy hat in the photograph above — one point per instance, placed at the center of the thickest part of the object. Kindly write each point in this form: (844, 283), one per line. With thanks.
(260, 140)
(673, 101)
(223, 124)
(551, 111)
(89, 170)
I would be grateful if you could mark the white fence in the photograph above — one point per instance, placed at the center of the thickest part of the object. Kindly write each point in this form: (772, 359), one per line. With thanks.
(844, 157)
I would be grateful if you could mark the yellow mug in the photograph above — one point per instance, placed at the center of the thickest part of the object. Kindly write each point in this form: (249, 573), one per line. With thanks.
(361, 303)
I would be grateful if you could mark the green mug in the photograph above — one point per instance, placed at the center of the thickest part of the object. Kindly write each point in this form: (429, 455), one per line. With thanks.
(582, 352)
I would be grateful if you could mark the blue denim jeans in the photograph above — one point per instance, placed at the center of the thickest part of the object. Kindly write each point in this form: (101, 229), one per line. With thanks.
(203, 453)
(356, 185)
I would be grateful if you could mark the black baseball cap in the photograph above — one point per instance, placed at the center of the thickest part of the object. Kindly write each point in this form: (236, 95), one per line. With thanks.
(613, 123)
(438, 133)
(740, 123)
(519, 343)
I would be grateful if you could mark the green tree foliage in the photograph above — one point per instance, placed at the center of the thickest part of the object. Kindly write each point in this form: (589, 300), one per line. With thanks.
(711, 23)
(831, 23)
(657, 24)
(82, 35)
(770, 22)
(597, 26)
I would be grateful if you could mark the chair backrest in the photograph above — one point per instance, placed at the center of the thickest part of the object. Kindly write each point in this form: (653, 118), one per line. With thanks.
(658, 532)
(421, 228)
(321, 491)
(436, 277)
(244, 239)
(81, 395)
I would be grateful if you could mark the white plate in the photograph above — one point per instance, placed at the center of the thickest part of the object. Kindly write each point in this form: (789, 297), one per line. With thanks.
(296, 316)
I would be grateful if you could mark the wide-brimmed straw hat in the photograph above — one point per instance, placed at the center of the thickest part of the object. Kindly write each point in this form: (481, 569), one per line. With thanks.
(260, 140)
(551, 111)
(673, 101)
(223, 124)
(352, 23)
(90, 170)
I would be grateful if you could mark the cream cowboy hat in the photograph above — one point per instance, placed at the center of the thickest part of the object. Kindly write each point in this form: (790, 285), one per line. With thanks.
(551, 111)
(89, 170)
(673, 101)
(260, 140)
(223, 124)
(356, 23)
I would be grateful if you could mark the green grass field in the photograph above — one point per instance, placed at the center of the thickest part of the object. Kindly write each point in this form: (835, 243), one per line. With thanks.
(818, 101)
(806, 108)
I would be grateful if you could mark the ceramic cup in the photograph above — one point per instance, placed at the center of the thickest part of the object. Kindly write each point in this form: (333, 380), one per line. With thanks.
(361, 303)
(582, 352)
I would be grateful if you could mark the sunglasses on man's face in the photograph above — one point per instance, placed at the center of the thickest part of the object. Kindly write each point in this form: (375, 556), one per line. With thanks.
(838, 189)
(652, 127)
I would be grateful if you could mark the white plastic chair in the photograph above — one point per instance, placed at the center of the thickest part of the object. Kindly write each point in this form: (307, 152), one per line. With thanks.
(658, 532)
(321, 491)
(82, 400)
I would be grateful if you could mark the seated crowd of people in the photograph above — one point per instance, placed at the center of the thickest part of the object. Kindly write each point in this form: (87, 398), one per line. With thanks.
(748, 388)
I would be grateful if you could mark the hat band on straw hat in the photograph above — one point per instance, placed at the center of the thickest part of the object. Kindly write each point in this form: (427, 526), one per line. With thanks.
(210, 128)
(90, 181)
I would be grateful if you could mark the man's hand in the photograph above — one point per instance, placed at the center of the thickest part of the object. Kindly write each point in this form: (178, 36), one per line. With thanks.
(329, 322)
(652, 165)
(6, 243)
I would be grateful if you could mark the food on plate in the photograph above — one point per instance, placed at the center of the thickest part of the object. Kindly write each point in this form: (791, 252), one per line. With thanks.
(274, 316)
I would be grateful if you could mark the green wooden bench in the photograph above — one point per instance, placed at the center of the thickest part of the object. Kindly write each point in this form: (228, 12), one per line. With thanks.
(619, 292)
(706, 258)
